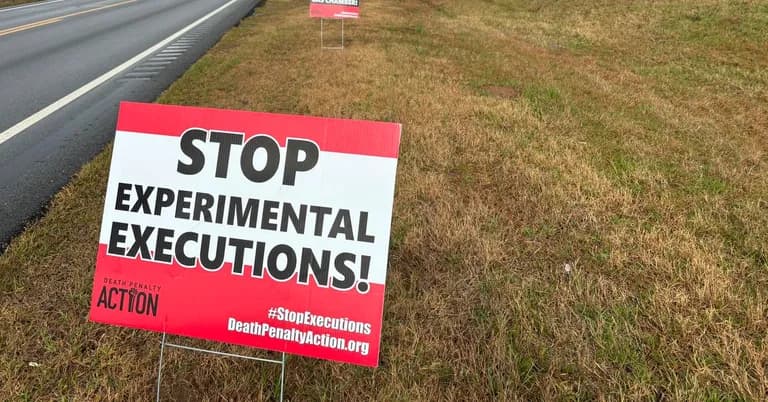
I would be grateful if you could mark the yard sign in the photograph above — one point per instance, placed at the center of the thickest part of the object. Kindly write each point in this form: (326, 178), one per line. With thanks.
(256, 229)
(334, 8)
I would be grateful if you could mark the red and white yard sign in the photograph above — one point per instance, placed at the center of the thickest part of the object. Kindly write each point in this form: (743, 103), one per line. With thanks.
(334, 8)
(256, 229)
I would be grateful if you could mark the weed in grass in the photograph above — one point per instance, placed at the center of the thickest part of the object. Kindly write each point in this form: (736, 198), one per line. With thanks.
(543, 100)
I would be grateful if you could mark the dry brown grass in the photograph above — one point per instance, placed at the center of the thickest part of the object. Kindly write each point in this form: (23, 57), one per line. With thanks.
(8, 3)
(627, 139)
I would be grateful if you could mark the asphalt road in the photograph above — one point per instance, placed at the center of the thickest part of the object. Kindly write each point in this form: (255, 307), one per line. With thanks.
(64, 67)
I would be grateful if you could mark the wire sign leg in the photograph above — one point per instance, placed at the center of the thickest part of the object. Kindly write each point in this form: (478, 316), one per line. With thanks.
(160, 368)
(163, 344)
(282, 378)
(322, 36)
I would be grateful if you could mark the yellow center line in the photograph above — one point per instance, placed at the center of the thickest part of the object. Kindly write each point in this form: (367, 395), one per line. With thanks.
(29, 26)
(54, 20)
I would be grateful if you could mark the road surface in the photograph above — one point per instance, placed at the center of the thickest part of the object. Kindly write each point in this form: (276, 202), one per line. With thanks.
(64, 67)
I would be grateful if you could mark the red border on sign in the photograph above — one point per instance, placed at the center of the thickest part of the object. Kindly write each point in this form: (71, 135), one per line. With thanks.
(211, 303)
(186, 307)
(331, 135)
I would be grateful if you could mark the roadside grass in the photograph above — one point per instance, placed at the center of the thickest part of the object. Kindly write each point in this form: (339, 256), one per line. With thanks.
(8, 3)
(626, 139)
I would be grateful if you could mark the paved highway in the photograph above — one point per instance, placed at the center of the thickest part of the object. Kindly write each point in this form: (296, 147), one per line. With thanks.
(64, 67)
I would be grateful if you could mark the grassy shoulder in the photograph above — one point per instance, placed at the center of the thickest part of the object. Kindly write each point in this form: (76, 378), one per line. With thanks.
(8, 3)
(626, 141)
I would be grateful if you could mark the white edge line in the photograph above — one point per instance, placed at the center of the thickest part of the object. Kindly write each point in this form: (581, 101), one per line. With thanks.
(67, 99)
(42, 3)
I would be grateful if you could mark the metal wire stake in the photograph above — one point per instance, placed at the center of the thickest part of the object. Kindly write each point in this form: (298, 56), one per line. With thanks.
(160, 368)
(216, 352)
(282, 379)
(163, 344)
(322, 36)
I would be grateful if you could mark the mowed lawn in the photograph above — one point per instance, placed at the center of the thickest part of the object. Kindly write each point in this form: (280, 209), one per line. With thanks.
(581, 209)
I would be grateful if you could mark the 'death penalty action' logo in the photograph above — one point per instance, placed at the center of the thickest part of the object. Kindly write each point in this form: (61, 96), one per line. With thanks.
(256, 229)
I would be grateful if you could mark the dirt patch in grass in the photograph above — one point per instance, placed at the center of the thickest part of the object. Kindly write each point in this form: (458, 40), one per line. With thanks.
(636, 153)
(503, 92)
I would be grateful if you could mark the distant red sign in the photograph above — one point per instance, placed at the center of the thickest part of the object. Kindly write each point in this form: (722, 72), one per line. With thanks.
(257, 229)
(334, 9)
